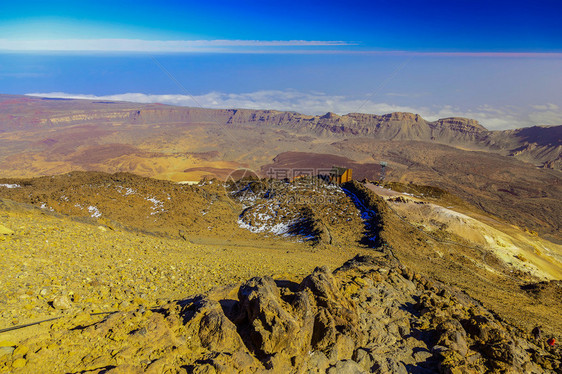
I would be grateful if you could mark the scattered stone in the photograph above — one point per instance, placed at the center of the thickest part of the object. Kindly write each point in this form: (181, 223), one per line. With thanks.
(5, 231)
(19, 363)
(318, 362)
(5, 351)
(21, 350)
(317, 326)
(62, 302)
(346, 367)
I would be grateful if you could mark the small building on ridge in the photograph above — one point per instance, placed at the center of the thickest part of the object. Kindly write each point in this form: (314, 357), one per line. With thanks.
(339, 175)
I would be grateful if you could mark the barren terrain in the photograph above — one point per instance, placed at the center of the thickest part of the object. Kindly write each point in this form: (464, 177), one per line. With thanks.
(513, 174)
(449, 264)
(202, 236)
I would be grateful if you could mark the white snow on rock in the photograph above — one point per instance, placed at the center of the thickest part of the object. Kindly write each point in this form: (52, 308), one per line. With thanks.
(94, 211)
(46, 207)
(125, 191)
(277, 208)
(157, 206)
(277, 229)
(10, 185)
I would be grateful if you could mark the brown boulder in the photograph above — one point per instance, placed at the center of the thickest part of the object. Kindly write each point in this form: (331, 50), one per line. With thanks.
(269, 327)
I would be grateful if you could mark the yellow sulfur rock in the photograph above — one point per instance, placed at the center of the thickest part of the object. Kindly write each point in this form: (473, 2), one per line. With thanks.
(19, 363)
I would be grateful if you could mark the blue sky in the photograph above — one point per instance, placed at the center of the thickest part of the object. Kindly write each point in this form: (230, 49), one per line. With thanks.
(453, 25)
(497, 61)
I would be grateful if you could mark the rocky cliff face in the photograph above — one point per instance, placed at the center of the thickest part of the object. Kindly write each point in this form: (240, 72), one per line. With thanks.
(393, 126)
(540, 145)
(537, 144)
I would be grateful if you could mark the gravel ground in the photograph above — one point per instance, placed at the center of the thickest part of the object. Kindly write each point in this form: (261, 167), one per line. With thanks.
(55, 266)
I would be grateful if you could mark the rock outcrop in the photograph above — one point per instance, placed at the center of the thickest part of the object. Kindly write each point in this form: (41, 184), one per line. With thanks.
(370, 315)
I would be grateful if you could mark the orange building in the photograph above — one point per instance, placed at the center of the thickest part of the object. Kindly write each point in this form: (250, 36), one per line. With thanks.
(340, 175)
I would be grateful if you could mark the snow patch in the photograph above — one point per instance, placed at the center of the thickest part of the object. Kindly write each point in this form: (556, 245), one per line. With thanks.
(45, 206)
(125, 191)
(277, 229)
(157, 206)
(94, 211)
(10, 185)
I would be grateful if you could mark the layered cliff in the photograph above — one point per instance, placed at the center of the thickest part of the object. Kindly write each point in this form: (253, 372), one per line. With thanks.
(539, 145)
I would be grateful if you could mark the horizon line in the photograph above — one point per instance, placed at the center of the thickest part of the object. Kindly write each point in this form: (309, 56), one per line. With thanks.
(320, 106)
(239, 46)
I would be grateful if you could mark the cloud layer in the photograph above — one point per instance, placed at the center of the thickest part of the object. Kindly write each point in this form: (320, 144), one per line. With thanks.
(140, 45)
(240, 46)
(319, 103)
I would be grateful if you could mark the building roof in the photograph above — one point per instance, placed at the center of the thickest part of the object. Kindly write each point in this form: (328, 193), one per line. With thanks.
(338, 171)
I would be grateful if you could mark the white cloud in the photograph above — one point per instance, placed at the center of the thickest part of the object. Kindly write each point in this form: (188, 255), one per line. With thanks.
(139, 45)
(237, 46)
(546, 117)
(306, 103)
(490, 117)
(548, 106)
(314, 103)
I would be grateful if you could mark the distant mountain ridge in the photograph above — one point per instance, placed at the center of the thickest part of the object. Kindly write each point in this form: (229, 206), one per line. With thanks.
(513, 174)
(540, 145)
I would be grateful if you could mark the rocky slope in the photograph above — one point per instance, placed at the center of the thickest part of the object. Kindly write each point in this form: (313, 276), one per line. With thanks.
(512, 174)
(370, 315)
(47, 256)
(533, 144)
(132, 293)
(523, 195)
(304, 210)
